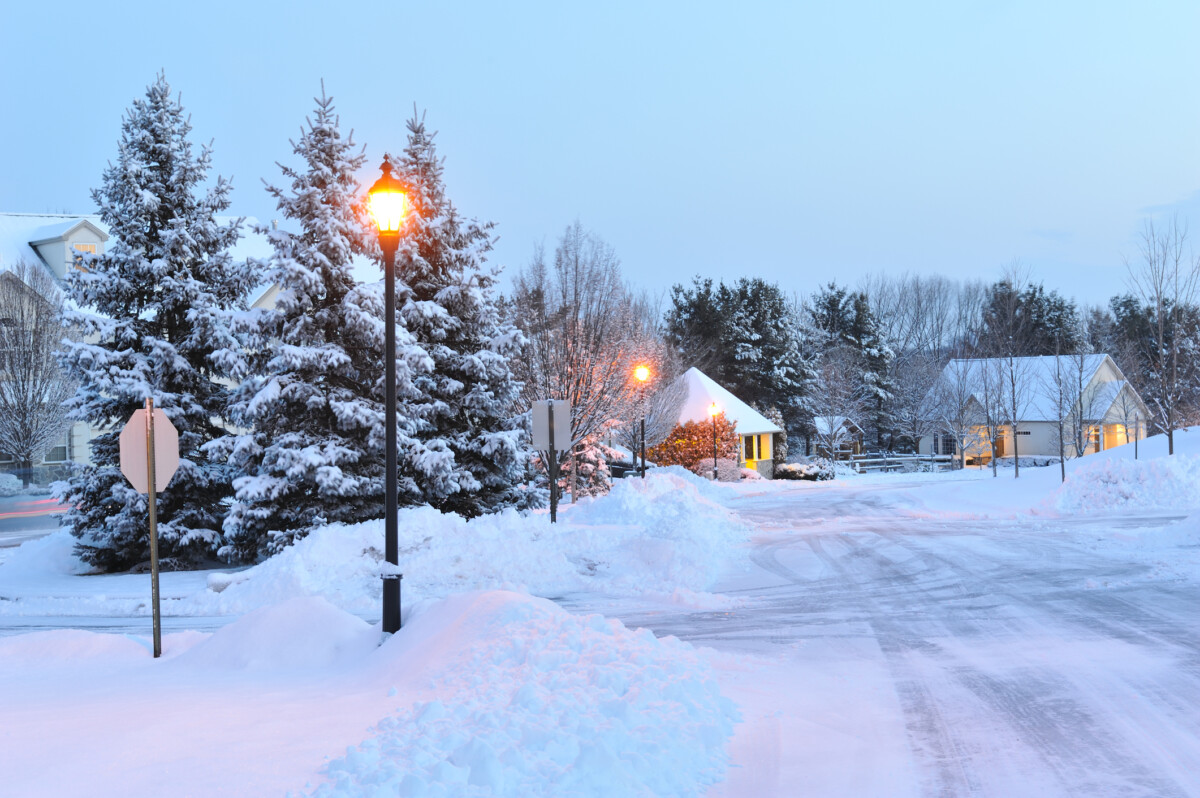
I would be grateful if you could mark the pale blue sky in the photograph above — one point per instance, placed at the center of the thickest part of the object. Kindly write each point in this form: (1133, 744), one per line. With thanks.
(792, 141)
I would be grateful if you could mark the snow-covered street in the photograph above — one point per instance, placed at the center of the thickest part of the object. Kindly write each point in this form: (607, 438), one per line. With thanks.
(933, 657)
(898, 635)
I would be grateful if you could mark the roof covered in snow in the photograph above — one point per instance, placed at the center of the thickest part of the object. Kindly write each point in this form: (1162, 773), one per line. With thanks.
(703, 391)
(1038, 375)
(824, 425)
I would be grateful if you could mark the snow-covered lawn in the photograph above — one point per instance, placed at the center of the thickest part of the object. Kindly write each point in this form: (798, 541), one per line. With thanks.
(878, 635)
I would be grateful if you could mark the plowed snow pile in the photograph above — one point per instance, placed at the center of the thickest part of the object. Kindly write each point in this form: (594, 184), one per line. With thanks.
(1107, 484)
(652, 536)
(543, 704)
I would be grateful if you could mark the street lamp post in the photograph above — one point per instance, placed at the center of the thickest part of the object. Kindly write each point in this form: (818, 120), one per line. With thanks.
(388, 204)
(712, 411)
(642, 373)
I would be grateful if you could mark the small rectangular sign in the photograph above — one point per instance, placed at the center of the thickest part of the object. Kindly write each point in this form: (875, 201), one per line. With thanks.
(562, 425)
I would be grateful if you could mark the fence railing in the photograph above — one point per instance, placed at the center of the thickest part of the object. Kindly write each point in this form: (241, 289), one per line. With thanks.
(863, 463)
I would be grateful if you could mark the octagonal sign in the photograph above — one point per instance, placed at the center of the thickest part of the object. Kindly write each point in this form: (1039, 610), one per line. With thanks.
(133, 451)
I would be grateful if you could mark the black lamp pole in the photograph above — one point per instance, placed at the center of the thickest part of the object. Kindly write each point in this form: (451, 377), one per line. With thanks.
(714, 418)
(391, 582)
(643, 429)
(389, 242)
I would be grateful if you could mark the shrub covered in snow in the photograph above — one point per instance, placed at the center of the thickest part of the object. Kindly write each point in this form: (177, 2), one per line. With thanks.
(727, 470)
(9, 485)
(688, 443)
(818, 469)
(750, 473)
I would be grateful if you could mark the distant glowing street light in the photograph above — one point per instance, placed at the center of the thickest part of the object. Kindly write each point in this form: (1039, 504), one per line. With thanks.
(713, 411)
(641, 374)
(388, 204)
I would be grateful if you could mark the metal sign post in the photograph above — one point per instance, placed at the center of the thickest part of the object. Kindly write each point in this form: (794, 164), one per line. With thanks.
(151, 495)
(149, 458)
(553, 468)
(550, 416)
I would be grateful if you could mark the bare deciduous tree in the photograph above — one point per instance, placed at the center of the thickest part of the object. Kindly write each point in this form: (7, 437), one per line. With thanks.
(993, 404)
(837, 396)
(1166, 281)
(1060, 391)
(957, 409)
(586, 332)
(32, 385)
(913, 402)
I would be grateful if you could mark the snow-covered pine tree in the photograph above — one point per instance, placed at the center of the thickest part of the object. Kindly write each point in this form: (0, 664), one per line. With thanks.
(874, 360)
(449, 305)
(311, 386)
(150, 315)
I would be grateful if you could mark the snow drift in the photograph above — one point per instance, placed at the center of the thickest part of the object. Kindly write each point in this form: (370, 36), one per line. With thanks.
(650, 536)
(544, 704)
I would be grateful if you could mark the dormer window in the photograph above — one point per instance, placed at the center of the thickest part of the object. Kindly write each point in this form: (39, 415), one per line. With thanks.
(80, 251)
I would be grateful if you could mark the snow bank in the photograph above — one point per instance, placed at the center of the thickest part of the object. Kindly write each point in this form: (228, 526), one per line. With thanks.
(301, 634)
(544, 704)
(1105, 484)
(652, 536)
(50, 555)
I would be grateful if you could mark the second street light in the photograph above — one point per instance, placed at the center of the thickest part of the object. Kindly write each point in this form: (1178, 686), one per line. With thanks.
(388, 205)
(642, 373)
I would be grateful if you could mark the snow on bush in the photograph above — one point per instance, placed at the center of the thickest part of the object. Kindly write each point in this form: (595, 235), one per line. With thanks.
(1107, 484)
(819, 469)
(650, 536)
(9, 485)
(544, 704)
(727, 470)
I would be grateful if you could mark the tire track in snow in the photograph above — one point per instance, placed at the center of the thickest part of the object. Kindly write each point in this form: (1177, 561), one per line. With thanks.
(1045, 708)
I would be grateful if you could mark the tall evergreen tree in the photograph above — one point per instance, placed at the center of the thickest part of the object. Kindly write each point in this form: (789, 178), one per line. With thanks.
(697, 326)
(312, 373)
(151, 317)
(746, 337)
(874, 361)
(449, 304)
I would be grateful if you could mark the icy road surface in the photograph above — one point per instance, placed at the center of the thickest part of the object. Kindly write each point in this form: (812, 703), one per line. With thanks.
(923, 656)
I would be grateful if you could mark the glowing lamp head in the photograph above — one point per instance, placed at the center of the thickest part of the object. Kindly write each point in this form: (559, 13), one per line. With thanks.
(642, 373)
(713, 410)
(387, 202)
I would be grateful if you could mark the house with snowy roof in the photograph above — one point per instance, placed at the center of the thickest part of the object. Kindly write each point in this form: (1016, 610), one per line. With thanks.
(57, 242)
(1095, 396)
(753, 428)
(838, 437)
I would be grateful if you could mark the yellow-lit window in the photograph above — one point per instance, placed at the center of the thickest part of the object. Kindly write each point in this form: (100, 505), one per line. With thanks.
(80, 251)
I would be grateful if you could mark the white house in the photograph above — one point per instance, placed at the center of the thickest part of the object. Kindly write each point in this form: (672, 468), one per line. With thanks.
(1108, 405)
(57, 242)
(752, 427)
(838, 437)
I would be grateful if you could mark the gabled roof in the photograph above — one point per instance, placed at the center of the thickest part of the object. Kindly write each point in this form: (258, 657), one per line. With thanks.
(1038, 374)
(17, 230)
(824, 425)
(703, 392)
(59, 231)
